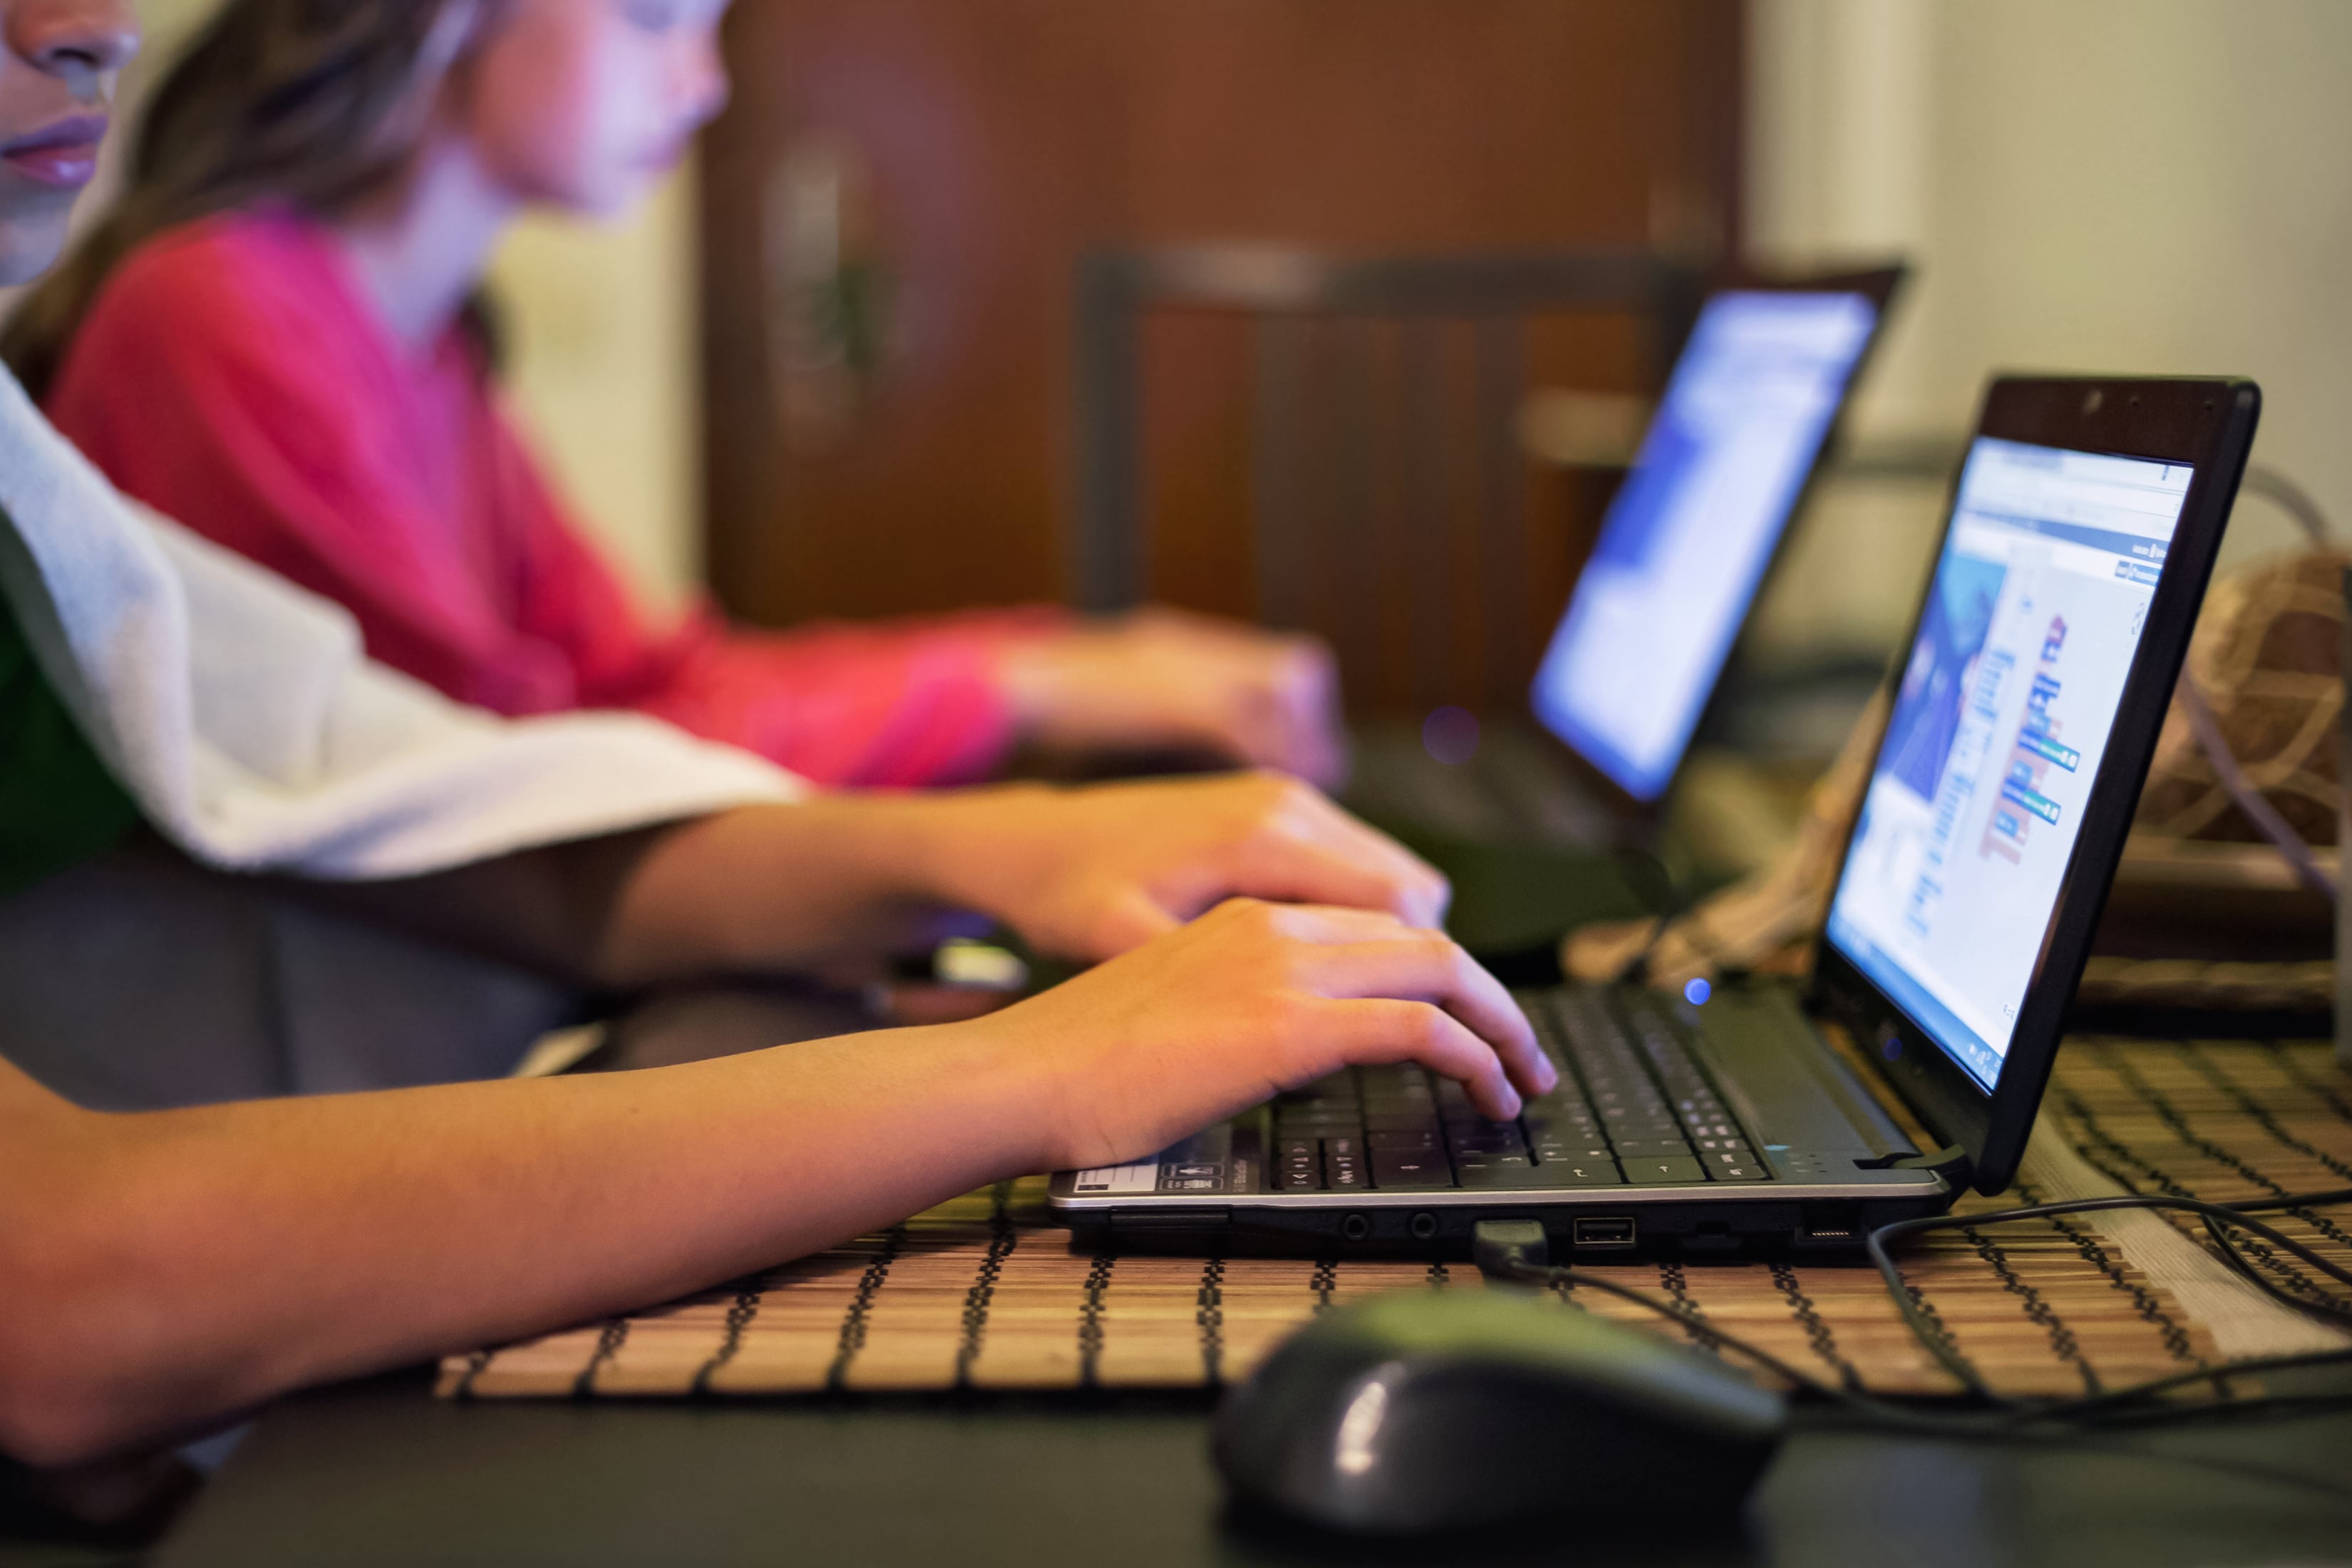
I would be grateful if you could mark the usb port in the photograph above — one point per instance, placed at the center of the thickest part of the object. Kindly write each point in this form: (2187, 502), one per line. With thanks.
(1604, 1233)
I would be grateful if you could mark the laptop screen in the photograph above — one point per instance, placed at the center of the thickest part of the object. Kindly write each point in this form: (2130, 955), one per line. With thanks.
(1999, 723)
(1685, 544)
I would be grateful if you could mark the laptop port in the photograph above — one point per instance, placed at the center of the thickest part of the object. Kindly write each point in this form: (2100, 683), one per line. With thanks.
(1355, 1227)
(1425, 1227)
(1603, 1233)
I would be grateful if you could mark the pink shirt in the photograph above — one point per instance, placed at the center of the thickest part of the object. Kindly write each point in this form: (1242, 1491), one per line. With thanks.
(233, 375)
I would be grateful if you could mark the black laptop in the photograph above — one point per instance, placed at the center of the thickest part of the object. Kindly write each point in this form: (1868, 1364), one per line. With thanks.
(1739, 435)
(2080, 537)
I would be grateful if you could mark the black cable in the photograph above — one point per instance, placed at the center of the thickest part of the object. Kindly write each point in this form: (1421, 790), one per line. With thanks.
(1680, 901)
(2003, 1416)
(1516, 1265)
(2218, 1219)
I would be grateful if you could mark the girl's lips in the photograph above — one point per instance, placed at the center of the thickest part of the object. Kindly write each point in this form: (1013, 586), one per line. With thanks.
(67, 168)
(64, 155)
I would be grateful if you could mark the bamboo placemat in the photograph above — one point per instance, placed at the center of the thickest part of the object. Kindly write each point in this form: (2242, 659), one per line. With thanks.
(984, 1293)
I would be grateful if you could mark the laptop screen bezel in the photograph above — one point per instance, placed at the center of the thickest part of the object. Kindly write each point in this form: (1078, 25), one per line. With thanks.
(2208, 425)
(1879, 285)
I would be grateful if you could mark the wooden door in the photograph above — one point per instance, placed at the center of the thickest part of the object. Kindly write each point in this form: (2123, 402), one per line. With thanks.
(896, 201)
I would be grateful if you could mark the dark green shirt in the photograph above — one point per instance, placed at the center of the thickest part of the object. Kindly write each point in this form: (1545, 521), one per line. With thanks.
(58, 805)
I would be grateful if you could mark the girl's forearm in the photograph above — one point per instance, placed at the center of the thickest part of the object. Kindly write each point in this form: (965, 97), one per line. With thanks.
(283, 1243)
(770, 887)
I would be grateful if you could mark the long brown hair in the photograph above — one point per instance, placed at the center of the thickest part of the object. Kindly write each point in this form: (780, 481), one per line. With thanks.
(300, 101)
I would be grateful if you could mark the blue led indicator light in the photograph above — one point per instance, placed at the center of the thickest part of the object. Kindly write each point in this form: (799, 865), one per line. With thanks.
(1697, 992)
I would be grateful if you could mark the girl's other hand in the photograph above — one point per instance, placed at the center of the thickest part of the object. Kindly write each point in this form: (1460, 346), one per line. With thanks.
(1088, 873)
(1250, 1000)
(1162, 679)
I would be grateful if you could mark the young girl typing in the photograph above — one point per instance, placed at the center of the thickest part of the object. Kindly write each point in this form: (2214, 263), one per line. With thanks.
(278, 339)
(164, 1270)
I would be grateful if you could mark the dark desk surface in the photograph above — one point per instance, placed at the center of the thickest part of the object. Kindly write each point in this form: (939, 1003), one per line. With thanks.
(381, 1473)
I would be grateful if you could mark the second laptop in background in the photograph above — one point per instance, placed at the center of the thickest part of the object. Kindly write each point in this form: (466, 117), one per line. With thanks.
(1738, 438)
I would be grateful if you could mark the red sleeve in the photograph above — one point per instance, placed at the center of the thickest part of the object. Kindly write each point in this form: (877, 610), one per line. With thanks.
(899, 704)
(236, 402)
(567, 594)
(896, 705)
(224, 382)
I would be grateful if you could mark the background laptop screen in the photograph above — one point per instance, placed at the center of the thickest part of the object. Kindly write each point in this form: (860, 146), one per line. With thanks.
(2000, 720)
(1686, 542)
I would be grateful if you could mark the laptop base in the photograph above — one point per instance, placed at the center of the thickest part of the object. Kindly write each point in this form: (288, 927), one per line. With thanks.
(1728, 1131)
(1581, 1233)
(1518, 789)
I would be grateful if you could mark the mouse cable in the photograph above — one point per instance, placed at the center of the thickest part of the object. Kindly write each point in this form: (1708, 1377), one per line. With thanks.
(1517, 1250)
(2048, 1425)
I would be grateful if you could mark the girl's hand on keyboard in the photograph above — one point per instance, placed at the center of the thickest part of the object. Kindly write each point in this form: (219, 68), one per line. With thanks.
(1162, 677)
(1089, 873)
(1251, 999)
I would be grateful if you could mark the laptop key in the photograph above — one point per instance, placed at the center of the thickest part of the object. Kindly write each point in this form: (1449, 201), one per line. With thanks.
(1583, 1174)
(1728, 1167)
(1575, 1153)
(1664, 1173)
(1515, 1175)
(1344, 1174)
(1395, 1168)
(1383, 1141)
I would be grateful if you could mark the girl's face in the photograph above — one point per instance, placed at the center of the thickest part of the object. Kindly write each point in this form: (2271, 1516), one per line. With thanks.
(583, 104)
(59, 61)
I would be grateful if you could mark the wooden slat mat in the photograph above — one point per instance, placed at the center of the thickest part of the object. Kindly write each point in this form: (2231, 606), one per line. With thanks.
(982, 1293)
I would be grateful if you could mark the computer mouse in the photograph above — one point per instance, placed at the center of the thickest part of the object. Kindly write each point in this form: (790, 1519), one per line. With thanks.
(1428, 1410)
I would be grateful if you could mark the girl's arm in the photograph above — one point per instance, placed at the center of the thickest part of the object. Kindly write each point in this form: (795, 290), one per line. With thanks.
(164, 1270)
(1082, 874)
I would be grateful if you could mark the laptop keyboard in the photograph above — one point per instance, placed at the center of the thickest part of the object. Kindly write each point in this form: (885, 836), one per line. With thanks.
(1632, 1108)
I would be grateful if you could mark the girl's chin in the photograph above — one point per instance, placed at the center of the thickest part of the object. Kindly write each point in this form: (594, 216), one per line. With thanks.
(27, 248)
(595, 198)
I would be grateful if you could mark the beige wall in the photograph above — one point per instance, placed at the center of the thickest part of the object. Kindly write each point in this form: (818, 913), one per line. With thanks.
(2144, 185)
(604, 371)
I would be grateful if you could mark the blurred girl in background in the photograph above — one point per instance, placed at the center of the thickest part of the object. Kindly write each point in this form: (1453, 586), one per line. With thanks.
(279, 339)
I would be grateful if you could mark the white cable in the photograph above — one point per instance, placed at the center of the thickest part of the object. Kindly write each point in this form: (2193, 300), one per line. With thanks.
(2250, 800)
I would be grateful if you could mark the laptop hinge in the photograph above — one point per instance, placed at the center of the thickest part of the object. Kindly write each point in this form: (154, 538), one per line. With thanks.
(1951, 1162)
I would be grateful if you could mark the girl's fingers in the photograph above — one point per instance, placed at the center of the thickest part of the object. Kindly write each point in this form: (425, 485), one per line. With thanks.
(1359, 954)
(1380, 1030)
(1337, 832)
(1412, 966)
(1322, 858)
